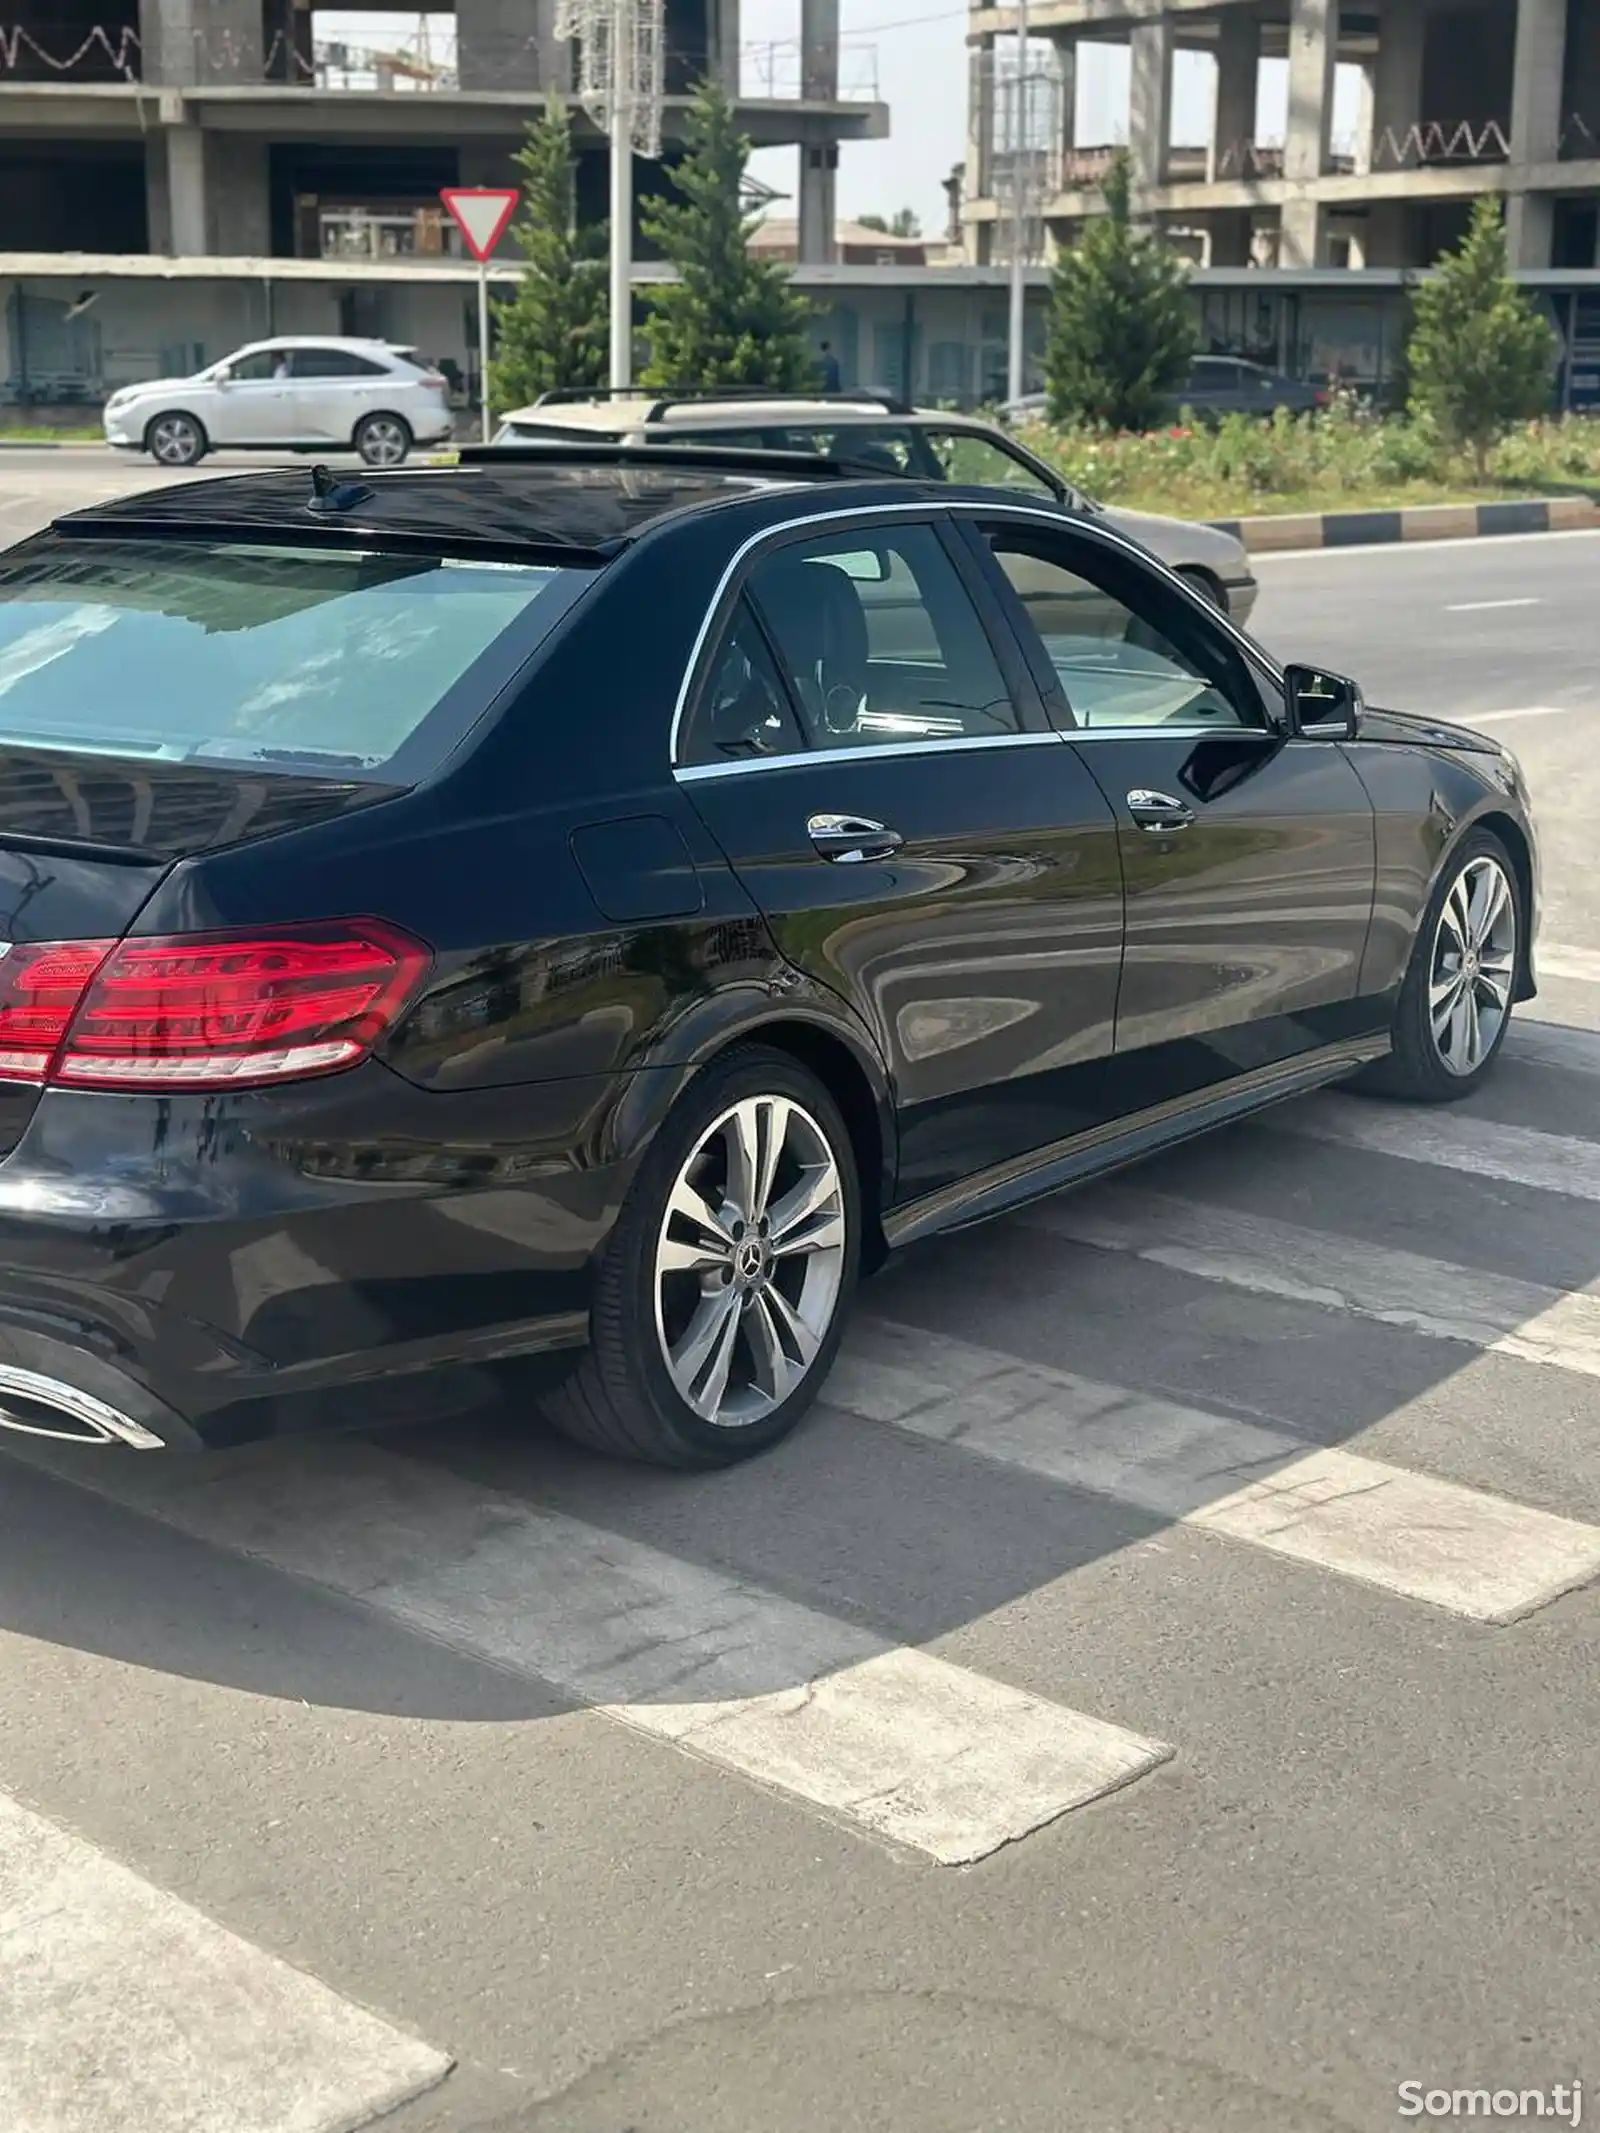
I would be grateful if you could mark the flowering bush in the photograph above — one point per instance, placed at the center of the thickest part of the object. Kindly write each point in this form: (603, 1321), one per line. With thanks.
(1342, 456)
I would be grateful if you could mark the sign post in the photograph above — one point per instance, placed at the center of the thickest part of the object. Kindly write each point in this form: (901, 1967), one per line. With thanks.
(481, 213)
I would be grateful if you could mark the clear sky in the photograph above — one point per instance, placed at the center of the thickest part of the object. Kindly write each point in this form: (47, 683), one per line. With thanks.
(912, 54)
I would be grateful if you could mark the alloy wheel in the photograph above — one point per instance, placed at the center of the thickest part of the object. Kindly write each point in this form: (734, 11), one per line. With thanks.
(750, 1260)
(1474, 965)
(175, 442)
(384, 442)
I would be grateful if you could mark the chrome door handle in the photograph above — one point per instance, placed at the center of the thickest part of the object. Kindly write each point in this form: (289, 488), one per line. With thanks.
(1158, 810)
(848, 839)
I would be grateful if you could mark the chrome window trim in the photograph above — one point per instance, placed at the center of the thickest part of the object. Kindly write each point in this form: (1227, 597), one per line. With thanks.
(930, 509)
(868, 751)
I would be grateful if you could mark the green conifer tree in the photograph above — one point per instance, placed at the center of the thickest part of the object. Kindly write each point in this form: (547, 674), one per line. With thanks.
(1481, 354)
(553, 332)
(1121, 325)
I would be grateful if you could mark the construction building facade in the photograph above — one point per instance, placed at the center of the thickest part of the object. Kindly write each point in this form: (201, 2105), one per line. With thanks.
(1457, 98)
(237, 128)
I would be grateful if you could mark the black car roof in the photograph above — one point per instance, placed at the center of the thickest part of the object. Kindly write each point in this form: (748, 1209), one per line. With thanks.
(577, 504)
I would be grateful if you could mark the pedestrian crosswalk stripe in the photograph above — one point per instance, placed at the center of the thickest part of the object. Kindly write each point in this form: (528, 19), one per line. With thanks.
(1272, 1258)
(1454, 1140)
(124, 2010)
(1553, 1044)
(888, 1738)
(1581, 964)
(1456, 1548)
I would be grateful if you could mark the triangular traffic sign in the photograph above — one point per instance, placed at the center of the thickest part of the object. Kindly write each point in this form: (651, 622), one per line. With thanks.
(481, 213)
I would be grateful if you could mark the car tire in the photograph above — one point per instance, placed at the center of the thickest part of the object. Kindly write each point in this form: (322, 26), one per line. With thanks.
(1445, 1041)
(383, 440)
(1202, 582)
(673, 1375)
(176, 440)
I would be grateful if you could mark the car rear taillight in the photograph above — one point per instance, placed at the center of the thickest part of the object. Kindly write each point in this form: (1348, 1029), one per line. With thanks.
(204, 1010)
(1323, 399)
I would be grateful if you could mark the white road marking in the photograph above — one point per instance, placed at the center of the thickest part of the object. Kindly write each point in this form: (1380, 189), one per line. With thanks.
(1424, 547)
(1454, 1547)
(123, 2010)
(1495, 718)
(1271, 1258)
(1452, 1140)
(887, 1738)
(1554, 1044)
(1482, 607)
(1553, 961)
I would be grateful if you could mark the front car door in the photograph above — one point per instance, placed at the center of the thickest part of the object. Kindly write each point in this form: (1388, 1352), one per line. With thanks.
(875, 763)
(251, 405)
(1248, 857)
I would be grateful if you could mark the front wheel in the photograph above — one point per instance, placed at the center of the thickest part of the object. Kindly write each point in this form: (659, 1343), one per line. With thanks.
(175, 441)
(383, 440)
(1455, 1004)
(1202, 582)
(721, 1298)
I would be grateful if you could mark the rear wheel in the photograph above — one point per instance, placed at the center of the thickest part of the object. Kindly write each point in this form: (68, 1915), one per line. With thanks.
(175, 440)
(722, 1295)
(383, 440)
(1455, 1004)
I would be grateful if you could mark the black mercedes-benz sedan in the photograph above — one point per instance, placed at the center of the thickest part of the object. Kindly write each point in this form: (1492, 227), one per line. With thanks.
(582, 905)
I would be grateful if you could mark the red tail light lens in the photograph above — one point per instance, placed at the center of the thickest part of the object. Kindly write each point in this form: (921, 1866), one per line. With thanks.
(204, 1010)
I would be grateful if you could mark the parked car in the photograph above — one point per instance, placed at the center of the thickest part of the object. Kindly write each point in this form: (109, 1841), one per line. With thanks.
(295, 394)
(1227, 385)
(882, 435)
(598, 902)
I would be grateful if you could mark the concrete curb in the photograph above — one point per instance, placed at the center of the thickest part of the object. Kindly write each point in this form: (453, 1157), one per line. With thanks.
(1418, 522)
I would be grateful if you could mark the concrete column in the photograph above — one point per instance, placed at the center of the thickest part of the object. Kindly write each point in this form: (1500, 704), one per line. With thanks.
(157, 193)
(978, 180)
(1313, 45)
(1150, 100)
(1233, 117)
(1536, 90)
(1066, 49)
(497, 44)
(819, 51)
(725, 35)
(188, 205)
(185, 42)
(819, 172)
(1395, 141)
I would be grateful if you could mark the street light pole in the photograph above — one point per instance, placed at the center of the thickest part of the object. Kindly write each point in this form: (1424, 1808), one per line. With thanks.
(1019, 217)
(622, 36)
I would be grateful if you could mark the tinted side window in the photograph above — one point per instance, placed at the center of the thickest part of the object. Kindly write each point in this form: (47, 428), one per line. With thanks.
(743, 709)
(265, 363)
(334, 363)
(1124, 650)
(880, 642)
(983, 462)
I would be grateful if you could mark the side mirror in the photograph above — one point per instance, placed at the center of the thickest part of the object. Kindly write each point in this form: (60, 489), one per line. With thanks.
(224, 376)
(1321, 707)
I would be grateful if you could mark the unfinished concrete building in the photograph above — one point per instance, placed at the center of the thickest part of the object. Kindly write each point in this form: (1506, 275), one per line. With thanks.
(1455, 98)
(243, 128)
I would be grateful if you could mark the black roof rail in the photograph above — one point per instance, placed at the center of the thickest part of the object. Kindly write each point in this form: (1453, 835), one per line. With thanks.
(858, 396)
(608, 452)
(687, 395)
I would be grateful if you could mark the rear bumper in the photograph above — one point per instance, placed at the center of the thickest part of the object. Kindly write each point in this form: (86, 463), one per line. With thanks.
(295, 1261)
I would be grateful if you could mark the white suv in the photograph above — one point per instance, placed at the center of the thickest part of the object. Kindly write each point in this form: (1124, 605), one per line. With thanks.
(299, 393)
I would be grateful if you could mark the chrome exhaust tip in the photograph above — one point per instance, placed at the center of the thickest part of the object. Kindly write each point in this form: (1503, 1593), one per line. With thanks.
(35, 1406)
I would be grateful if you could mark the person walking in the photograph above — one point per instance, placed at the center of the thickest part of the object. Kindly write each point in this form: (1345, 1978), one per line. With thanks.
(830, 369)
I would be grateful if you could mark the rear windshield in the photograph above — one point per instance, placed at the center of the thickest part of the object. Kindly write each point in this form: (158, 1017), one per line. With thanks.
(286, 657)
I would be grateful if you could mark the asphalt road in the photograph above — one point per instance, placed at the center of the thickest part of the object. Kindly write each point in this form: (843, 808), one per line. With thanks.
(643, 1798)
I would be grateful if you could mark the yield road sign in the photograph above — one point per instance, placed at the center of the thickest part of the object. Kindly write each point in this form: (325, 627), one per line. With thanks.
(481, 213)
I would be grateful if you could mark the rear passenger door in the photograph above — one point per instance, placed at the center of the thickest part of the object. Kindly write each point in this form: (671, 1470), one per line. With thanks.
(879, 771)
(331, 389)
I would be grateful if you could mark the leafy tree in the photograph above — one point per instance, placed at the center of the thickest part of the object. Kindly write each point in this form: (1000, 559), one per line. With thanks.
(730, 318)
(554, 331)
(1121, 327)
(1481, 353)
